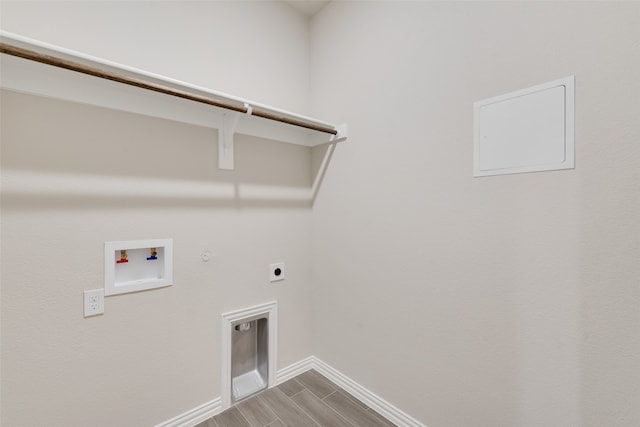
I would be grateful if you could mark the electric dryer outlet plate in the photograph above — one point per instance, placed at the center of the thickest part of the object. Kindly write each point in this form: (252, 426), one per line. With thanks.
(276, 272)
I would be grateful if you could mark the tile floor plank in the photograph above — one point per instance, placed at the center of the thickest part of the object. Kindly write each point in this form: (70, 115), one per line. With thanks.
(316, 383)
(319, 411)
(231, 418)
(291, 387)
(353, 398)
(296, 403)
(353, 412)
(256, 412)
(286, 410)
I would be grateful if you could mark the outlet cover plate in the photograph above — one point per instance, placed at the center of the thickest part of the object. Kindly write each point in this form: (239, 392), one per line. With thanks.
(93, 302)
(276, 272)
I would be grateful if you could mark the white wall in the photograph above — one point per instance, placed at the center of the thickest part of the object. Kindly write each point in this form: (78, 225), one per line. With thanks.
(256, 50)
(156, 354)
(508, 300)
(499, 301)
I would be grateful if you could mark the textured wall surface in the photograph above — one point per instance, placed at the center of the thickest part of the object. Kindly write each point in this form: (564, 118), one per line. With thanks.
(256, 50)
(499, 301)
(75, 176)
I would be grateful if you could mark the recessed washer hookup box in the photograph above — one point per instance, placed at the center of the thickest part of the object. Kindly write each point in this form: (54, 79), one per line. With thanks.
(137, 265)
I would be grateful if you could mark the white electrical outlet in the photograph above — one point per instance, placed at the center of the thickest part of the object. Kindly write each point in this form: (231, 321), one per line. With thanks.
(93, 302)
(276, 272)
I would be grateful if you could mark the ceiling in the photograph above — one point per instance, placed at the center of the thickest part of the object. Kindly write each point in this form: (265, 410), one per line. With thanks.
(307, 7)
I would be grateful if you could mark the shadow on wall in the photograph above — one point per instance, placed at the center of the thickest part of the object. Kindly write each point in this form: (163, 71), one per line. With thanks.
(62, 154)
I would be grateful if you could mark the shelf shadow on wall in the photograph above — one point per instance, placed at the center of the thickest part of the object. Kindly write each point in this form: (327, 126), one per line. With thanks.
(60, 154)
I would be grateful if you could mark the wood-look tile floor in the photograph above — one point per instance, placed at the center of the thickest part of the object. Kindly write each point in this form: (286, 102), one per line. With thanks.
(308, 400)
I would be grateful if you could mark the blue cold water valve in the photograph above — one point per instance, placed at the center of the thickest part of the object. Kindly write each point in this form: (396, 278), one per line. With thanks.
(154, 254)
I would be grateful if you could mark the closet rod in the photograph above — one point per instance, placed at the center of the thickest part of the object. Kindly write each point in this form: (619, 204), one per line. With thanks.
(103, 74)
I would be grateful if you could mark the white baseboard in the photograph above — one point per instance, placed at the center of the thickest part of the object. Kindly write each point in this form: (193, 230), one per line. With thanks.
(196, 415)
(378, 404)
(375, 402)
(285, 374)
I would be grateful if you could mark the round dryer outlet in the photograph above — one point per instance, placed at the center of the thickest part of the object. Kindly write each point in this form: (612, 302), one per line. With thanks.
(276, 272)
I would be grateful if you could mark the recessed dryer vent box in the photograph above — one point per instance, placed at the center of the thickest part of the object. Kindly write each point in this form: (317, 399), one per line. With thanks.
(525, 131)
(137, 265)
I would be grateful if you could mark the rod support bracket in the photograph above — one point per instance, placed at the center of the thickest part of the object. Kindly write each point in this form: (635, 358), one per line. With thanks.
(225, 140)
(342, 133)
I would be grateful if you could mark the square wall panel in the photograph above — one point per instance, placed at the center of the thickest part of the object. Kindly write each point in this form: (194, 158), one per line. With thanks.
(525, 131)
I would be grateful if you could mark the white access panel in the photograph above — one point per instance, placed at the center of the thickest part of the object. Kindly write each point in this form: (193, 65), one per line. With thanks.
(525, 131)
